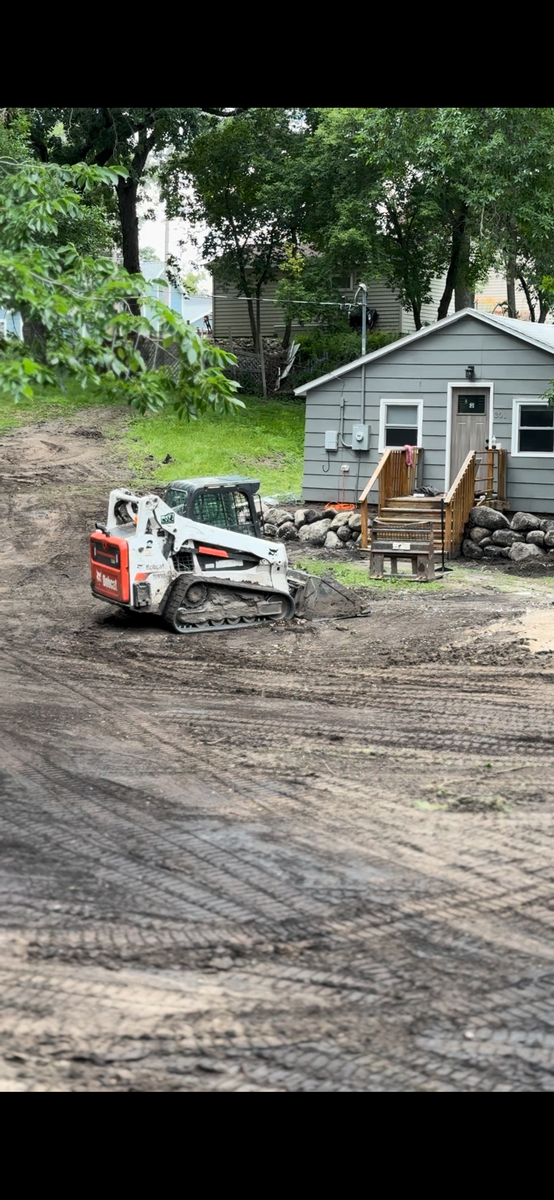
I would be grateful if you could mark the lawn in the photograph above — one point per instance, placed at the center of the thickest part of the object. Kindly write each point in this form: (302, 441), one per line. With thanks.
(264, 441)
(49, 403)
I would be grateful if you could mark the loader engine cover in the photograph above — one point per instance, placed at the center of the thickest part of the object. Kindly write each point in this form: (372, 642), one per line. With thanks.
(109, 567)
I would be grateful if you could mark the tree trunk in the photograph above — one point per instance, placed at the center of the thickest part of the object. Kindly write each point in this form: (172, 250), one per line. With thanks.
(544, 308)
(416, 311)
(530, 304)
(127, 201)
(34, 335)
(261, 345)
(464, 297)
(511, 286)
(453, 276)
(287, 335)
(253, 325)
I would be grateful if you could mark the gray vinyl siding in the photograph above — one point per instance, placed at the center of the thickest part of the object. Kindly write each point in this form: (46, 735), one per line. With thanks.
(230, 311)
(428, 311)
(422, 370)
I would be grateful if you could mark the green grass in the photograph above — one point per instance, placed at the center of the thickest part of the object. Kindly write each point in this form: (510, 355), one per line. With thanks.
(49, 403)
(264, 441)
(352, 575)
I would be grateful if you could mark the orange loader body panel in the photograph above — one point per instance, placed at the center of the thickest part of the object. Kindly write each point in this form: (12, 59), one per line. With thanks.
(109, 567)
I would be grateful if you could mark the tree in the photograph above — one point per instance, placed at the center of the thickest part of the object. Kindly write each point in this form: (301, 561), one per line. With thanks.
(80, 306)
(242, 178)
(148, 254)
(127, 136)
(412, 193)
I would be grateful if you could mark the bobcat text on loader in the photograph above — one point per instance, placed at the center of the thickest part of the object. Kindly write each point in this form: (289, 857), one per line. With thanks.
(199, 559)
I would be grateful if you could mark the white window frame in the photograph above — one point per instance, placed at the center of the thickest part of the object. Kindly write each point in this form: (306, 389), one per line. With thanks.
(417, 403)
(536, 401)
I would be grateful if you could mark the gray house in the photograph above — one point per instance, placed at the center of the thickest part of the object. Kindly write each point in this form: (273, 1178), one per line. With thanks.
(467, 392)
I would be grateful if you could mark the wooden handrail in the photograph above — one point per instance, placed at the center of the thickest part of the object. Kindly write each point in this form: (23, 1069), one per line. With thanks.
(394, 477)
(459, 476)
(375, 475)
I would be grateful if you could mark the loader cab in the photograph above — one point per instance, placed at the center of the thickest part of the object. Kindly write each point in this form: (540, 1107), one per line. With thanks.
(225, 501)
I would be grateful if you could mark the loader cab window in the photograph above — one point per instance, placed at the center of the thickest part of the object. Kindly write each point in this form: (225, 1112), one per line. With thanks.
(226, 510)
(176, 498)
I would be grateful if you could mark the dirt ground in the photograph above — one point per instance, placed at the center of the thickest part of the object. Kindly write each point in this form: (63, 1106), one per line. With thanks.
(312, 857)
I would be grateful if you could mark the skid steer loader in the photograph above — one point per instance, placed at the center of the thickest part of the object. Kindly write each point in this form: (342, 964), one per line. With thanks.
(199, 559)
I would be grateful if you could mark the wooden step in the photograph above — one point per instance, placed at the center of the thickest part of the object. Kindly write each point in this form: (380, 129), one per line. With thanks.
(403, 514)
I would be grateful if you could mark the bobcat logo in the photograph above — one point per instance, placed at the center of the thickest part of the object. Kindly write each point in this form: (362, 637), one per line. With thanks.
(168, 519)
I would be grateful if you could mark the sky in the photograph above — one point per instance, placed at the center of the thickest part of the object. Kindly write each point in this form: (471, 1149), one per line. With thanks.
(153, 232)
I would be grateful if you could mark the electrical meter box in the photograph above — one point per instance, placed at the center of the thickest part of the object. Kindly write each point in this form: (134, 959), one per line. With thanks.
(331, 439)
(360, 437)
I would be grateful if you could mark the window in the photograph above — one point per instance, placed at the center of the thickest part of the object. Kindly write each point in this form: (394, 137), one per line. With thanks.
(226, 510)
(471, 404)
(400, 423)
(176, 498)
(344, 283)
(533, 431)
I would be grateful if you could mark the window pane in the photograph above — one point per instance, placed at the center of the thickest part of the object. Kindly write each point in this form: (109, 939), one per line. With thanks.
(538, 418)
(176, 498)
(401, 435)
(402, 414)
(471, 404)
(539, 441)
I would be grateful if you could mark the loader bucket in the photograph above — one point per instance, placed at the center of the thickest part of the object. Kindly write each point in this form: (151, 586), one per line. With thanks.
(317, 598)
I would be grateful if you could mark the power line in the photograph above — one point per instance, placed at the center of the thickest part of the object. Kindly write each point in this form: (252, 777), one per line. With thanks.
(279, 303)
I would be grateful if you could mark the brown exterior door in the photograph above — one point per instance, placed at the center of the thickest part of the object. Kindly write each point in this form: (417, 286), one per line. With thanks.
(470, 424)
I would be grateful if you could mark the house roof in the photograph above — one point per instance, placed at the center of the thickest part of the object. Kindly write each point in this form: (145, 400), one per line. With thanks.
(527, 331)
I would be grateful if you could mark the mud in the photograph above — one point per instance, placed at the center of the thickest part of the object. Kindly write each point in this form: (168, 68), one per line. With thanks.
(293, 858)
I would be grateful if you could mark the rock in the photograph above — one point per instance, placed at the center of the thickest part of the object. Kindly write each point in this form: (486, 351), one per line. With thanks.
(358, 541)
(505, 537)
(341, 518)
(471, 549)
(287, 532)
(270, 530)
(329, 512)
(332, 542)
(493, 551)
(315, 533)
(535, 537)
(478, 535)
(344, 533)
(520, 551)
(300, 517)
(488, 518)
(355, 521)
(279, 516)
(524, 522)
(312, 514)
(547, 525)
(549, 539)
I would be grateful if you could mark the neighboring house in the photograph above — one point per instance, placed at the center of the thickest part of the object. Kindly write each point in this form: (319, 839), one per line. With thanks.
(194, 309)
(10, 323)
(230, 311)
(492, 298)
(450, 389)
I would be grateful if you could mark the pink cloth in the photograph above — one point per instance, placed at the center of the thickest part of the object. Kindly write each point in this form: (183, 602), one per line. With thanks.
(409, 456)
